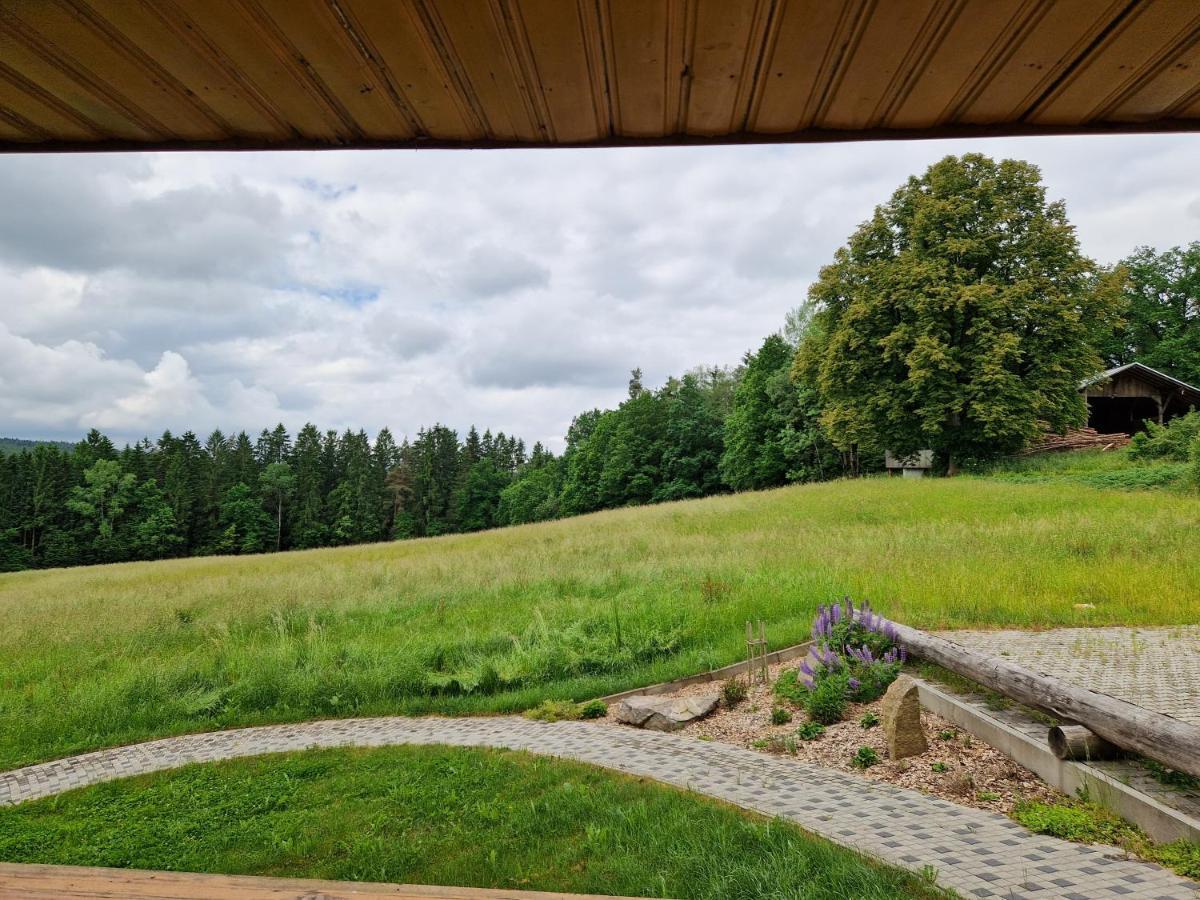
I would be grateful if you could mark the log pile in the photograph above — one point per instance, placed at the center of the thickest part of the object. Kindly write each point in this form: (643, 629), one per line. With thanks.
(1076, 439)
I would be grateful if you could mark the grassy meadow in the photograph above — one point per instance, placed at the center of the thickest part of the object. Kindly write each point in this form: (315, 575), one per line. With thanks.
(497, 621)
(430, 815)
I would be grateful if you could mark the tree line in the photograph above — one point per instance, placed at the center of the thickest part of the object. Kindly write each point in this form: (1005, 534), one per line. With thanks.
(960, 317)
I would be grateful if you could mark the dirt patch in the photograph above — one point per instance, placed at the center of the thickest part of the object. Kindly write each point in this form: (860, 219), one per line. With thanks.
(956, 767)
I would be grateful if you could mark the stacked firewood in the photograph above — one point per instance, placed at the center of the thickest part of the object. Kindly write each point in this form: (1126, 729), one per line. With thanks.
(1077, 439)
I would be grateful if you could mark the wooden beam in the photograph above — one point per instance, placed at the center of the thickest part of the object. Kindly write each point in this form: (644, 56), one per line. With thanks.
(94, 883)
(1173, 743)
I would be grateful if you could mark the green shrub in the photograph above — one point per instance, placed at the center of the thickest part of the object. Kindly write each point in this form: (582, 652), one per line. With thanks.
(939, 767)
(864, 758)
(1172, 442)
(789, 688)
(1171, 777)
(946, 735)
(780, 716)
(869, 720)
(1193, 472)
(826, 702)
(555, 711)
(872, 679)
(593, 709)
(781, 744)
(810, 731)
(1074, 821)
(1182, 856)
(733, 692)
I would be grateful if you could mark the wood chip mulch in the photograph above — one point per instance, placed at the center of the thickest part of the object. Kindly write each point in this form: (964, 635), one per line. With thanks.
(976, 774)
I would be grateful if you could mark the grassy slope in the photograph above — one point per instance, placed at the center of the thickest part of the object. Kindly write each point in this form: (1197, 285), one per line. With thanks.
(440, 816)
(96, 656)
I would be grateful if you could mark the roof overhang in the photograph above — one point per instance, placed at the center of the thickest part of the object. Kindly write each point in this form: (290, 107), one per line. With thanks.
(274, 74)
(1143, 372)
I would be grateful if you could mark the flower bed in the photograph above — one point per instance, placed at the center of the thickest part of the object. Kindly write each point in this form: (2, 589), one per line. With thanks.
(827, 710)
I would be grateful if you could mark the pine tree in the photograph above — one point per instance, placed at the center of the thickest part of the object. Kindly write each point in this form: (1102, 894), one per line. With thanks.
(277, 484)
(306, 515)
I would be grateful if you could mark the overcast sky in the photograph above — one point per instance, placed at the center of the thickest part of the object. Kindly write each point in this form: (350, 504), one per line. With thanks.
(511, 289)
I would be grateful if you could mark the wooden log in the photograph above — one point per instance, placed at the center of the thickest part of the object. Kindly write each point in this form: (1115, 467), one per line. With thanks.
(1077, 742)
(1169, 741)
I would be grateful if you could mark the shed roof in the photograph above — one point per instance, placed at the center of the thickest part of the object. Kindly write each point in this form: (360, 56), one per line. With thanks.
(1144, 372)
(196, 74)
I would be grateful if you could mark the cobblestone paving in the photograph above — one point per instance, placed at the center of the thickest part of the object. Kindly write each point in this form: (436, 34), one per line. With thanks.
(976, 853)
(1155, 668)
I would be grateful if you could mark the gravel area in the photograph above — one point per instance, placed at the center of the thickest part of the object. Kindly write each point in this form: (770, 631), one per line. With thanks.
(975, 774)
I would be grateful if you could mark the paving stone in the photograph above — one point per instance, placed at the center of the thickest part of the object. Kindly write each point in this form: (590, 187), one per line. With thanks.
(977, 853)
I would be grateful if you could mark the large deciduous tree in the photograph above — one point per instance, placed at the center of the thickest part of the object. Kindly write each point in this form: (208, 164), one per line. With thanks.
(1162, 319)
(960, 317)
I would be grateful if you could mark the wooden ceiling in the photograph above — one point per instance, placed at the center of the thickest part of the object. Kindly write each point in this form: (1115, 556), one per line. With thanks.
(196, 74)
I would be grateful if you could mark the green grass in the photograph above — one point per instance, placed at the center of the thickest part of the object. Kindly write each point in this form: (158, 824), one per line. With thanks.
(1111, 469)
(499, 621)
(1088, 822)
(436, 815)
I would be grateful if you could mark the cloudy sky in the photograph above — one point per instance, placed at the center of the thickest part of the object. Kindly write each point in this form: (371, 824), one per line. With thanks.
(510, 289)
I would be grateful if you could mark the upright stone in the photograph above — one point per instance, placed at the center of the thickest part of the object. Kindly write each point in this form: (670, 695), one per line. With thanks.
(902, 719)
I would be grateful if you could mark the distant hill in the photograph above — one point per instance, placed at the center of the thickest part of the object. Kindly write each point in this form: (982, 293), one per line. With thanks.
(16, 445)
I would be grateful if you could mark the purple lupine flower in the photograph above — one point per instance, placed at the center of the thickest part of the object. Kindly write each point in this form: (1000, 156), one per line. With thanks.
(903, 655)
(854, 684)
(806, 668)
(837, 614)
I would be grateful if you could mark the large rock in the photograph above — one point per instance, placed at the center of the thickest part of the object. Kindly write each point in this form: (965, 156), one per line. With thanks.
(902, 719)
(662, 714)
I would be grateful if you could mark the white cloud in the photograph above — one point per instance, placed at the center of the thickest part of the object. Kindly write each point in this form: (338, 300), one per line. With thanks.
(511, 289)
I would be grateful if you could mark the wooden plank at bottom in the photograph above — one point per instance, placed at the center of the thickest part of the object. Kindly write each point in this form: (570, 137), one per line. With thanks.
(94, 883)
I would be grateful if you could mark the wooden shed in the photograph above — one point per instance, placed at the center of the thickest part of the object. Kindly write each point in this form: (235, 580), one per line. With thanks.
(1124, 398)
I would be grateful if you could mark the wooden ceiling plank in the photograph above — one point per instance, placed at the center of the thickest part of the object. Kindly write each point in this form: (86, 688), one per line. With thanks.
(893, 36)
(405, 48)
(1131, 57)
(761, 43)
(18, 129)
(88, 49)
(514, 39)
(677, 74)
(193, 67)
(243, 38)
(724, 35)
(39, 61)
(1042, 56)
(639, 54)
(597, 50)
(184, 79)
(976, 41)
(1166, 96)
(338, 68)
(43, 111)
(800, 64)
(471, 42)
(555, 36)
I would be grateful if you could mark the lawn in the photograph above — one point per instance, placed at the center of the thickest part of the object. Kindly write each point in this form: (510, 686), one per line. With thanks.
(497, 621)
(435, 815)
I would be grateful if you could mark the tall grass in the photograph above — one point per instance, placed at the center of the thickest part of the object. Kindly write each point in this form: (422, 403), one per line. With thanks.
(498, 621)
(436, 815)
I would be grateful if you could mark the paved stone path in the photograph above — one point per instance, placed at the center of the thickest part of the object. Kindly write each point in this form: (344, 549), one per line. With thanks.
(1155, 668)
(978, 854)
